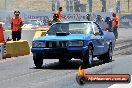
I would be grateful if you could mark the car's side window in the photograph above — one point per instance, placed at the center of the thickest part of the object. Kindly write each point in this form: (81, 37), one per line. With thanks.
(89, 28)
(96, 29)
(53, 29)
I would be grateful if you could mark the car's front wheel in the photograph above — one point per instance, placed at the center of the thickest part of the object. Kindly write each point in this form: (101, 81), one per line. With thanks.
(88, 58)
(38, 61)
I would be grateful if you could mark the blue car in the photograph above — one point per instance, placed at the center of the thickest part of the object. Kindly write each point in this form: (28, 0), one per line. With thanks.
(74, 39)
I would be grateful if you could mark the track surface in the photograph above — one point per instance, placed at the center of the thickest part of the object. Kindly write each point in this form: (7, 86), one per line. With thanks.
(20, 72)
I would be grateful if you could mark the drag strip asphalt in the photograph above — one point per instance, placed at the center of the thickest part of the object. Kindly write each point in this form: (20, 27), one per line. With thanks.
(20, 72)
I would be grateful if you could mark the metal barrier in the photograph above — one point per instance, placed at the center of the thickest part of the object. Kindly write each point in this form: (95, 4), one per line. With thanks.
(1, 50)
(5, 52)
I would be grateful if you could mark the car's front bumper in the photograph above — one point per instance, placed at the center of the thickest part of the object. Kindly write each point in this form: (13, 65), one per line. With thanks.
(57, 53)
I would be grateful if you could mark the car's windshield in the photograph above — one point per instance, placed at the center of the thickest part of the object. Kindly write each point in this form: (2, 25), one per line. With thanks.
(73, 28)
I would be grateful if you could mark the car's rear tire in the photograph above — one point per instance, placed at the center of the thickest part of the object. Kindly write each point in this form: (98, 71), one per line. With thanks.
(108, 55)
(88, 58)
(38, 61)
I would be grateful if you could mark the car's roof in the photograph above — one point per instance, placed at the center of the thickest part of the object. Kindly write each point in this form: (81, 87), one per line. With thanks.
(75, 21)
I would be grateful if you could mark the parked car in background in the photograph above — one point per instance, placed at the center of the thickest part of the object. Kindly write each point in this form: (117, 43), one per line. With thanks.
(74, 39)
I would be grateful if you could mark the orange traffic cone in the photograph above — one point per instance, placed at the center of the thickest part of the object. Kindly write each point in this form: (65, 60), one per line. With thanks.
(1, 34)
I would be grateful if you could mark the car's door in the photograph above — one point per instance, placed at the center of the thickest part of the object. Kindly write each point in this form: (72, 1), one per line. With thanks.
(105, 40)
(98, 39)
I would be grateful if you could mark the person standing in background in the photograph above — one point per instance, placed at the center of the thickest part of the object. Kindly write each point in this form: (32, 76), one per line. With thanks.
(99, 19)
(109, 22)
(89, 18)
(16, 24)
(54, 20)
(59, 12)
(102, 23)
(1, 33)
(115, 23)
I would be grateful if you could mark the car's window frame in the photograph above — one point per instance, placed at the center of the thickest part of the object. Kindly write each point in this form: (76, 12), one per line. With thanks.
(98, 27)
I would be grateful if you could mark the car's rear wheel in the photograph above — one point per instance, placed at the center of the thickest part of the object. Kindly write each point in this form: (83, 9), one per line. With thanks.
(38, 61)
(88, 58)
(108, 55)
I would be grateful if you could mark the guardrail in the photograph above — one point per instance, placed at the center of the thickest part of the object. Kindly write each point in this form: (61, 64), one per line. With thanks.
(1, 50)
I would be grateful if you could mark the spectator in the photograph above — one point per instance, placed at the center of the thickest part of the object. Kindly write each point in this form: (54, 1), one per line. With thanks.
(115, 23)
(102, 23)
(16, 24)
(1, 33)
(59, 12)
(54, 20)
(99, 19)
(109, 22)
(89, 17)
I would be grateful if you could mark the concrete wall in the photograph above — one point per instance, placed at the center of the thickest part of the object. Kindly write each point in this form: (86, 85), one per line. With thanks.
(26, 35)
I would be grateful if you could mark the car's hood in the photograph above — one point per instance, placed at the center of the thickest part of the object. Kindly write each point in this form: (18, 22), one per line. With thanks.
(67, 38)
